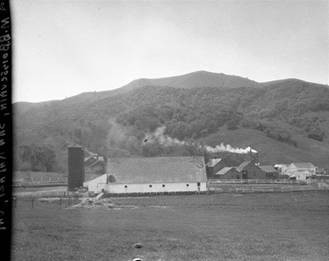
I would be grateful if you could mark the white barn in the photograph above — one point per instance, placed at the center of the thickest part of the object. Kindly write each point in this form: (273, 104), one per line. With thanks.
(151, 175)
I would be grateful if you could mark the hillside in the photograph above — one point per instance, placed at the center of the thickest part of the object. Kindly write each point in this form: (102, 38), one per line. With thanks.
(289, 116)
(194, 80)
(271, 150)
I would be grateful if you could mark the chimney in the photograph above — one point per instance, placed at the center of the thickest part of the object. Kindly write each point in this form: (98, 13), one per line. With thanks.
(256, 159)
(76, 171)
(253, 156)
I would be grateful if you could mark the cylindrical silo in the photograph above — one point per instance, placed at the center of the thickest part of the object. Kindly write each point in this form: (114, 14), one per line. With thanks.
(76, 171)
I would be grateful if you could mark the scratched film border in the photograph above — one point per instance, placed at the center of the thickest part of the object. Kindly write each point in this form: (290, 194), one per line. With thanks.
(6, 124)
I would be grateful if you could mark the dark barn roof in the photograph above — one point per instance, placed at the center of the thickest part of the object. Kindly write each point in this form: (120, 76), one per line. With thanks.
(157, 170)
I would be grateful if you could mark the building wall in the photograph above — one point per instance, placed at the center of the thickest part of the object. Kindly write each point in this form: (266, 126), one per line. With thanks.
(300, 173)
(146, 188)
(97, 184)
(254, 172)
(272, 175)
(213, 170)
(231, 174)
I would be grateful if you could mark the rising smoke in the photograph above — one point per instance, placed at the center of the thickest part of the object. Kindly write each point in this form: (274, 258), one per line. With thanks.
(167, 141)
(121, 141)
(229, 148)
(164, 140)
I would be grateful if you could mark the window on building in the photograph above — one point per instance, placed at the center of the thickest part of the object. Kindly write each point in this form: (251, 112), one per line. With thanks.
(187, 185)
(163, 185)
(126, 186)
(150, 186)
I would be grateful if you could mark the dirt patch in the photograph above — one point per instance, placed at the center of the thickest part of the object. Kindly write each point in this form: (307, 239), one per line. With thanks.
(104, 203)
(93, 203)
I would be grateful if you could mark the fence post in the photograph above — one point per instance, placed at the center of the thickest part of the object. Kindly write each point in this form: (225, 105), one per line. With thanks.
(32, 201)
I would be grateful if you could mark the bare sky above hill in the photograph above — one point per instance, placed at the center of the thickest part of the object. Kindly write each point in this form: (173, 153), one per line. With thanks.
(65, 47)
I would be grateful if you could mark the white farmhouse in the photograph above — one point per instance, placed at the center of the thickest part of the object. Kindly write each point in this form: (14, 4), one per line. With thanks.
(300, 170)
(151, 175)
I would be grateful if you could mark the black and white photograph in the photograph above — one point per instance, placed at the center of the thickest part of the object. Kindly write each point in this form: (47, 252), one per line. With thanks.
(168, 130)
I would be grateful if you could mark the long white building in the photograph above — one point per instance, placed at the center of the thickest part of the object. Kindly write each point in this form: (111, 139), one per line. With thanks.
(151, 175)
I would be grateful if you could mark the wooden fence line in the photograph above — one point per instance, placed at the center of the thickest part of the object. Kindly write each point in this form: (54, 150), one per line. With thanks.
(256, 181)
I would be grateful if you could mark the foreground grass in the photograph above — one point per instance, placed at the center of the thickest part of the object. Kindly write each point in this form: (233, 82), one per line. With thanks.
(264, 226)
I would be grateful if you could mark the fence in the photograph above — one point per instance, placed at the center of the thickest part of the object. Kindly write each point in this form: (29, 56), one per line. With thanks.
(34, 201)
(38, 182)
(257, 181)
(237, 186)
(30, 178)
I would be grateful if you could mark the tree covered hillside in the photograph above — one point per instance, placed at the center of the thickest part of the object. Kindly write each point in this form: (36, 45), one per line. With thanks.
(289, 114)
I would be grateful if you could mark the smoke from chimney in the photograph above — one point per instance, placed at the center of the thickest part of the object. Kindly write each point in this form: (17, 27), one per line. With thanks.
(165, 140)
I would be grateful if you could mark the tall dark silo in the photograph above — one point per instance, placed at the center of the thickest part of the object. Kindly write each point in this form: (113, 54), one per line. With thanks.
(76, 169)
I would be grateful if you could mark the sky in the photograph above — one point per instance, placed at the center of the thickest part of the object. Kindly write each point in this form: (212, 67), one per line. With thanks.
(65, 47)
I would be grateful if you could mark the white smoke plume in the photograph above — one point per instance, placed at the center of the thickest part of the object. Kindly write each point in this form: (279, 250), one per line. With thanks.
(229, 148)
(165, 140)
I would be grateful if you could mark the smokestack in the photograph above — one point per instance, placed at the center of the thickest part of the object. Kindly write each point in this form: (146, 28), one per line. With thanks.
(253, 156)
(75, 167)
(256, 158)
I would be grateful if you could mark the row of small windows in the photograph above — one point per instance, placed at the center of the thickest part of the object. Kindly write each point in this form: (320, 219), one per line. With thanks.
(163, 185)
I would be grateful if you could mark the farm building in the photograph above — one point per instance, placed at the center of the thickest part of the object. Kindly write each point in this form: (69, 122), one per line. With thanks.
(270, 171)
(300, 170)
(227, 173)
(151, 175)
(216, 164)
(247, 170)
(250, 170)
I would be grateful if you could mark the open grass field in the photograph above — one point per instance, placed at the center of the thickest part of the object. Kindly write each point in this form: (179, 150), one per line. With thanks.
(256, 226)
